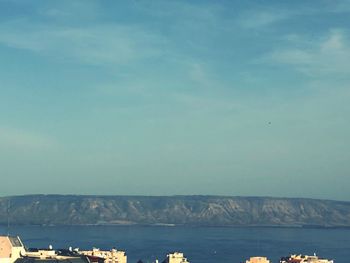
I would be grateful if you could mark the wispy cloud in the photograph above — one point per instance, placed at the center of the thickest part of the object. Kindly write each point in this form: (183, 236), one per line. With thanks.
(75, 31)
(257, 19)
(17, 139)
(68, 10)
(100, 44)
(270, 15)
(198, 74)
(327, 55)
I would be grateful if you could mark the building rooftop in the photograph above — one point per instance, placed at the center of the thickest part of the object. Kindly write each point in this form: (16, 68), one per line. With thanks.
(53, 260)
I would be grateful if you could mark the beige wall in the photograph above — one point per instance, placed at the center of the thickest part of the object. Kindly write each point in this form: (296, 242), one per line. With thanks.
(258, 260)
(112, 256)
(8, 252)
(5, 247)
(42, 254)
(176, 257)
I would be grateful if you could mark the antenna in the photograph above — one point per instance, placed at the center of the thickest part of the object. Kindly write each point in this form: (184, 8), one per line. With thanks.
(8, 216)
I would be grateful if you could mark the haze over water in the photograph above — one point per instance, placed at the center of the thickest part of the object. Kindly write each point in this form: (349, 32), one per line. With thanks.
(200, 244)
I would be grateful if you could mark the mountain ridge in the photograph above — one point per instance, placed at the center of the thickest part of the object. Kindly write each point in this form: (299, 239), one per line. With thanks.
(194, 210)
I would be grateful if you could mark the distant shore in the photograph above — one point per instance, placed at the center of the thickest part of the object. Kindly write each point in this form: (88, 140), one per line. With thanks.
(172, 211)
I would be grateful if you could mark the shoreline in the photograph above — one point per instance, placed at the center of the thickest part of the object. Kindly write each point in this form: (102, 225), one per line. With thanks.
(180, 226)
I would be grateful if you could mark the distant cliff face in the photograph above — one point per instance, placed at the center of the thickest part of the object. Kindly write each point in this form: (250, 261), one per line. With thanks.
(184, 210)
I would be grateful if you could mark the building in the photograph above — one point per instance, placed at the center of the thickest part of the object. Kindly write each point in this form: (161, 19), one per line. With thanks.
(11, 248)
(53, 260)
(40, 253)
(258, 260)
(304, 259)
(111, 256)
(176, 257)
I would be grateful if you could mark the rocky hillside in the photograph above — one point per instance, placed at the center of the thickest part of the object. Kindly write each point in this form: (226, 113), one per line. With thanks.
(184, 210)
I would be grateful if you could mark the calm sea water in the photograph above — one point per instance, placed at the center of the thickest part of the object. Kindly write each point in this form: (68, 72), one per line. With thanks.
(200, 244)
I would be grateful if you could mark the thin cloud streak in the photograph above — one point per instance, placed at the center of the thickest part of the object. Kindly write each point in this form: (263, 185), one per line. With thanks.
(261, 19)
(330, 55)
(96, 45)
(22, 140)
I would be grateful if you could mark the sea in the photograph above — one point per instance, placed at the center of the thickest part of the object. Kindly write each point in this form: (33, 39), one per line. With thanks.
(199, 244)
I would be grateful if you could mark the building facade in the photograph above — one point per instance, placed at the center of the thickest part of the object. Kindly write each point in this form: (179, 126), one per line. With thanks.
(111, 256)
(11, 248)
(304, 259)
(258, 260)
(176, 257)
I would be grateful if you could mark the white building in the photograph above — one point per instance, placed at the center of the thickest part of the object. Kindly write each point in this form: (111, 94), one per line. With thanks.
(11, 248)
(258, 260)
(304, 259)
(111, 256)
(176, 257)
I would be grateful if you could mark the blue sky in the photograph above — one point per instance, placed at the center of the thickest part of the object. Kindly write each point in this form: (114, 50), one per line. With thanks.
(175, 97)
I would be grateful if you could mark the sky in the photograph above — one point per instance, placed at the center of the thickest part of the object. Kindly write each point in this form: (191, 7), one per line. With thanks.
(242, 98)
